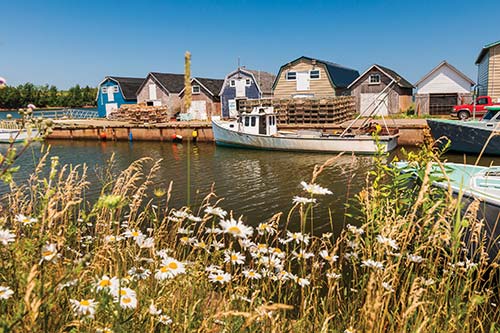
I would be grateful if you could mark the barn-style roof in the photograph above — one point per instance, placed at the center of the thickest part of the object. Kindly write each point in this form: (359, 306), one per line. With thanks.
(128, 85)
(484, 50)
(400, 81)
(340, 76)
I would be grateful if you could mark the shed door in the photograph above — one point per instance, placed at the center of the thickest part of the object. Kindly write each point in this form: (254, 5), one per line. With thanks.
(152, 91)
(240, 88)
(373, 102)
(303, 81)
(442, 103)
(111, 94)
(198, 110)
(111, 107)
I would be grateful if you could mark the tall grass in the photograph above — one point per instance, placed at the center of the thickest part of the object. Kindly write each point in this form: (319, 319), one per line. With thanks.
(132, 263)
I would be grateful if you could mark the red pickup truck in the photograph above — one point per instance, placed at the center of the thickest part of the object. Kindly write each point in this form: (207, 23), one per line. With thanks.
(465, 111)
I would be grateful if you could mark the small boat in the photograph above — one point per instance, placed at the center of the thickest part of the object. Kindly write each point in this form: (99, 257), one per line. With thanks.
(11, 132)
(471, 183)
(258, 129)
(474, 136)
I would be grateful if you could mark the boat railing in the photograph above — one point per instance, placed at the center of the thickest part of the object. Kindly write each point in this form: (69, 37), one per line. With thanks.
(66, 113)
(10, 124)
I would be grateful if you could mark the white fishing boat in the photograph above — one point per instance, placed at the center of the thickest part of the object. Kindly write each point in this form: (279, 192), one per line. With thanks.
(258, 129)
(11, 132)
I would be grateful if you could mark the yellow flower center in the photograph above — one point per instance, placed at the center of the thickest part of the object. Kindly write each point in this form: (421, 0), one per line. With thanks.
(234, 257)
(184, 239)
(219, 278)
(173, 265)
(251, 274)
(85, 302)
(2, 292)
(135, 233)
(47, 253)
(263, 226)
(261, 246)
(105, 283)
(276, 250)
(234, 230)
(26, 220)
(202, 244)
(123, 292)
(126, 300)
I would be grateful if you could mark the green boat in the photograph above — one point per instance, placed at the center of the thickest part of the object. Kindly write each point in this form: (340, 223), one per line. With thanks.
(470, 182)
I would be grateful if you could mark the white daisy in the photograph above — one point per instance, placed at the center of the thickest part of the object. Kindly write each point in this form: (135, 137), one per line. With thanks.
(235, 258)
(330, 257)
(194, 218)
(303, 282)
(217, 245)
(6, 236)
(139, 273)
(251, 274)
(415, 258)
(219, 277)
(372, 264)
(266, 228)
(387, 242)
(302, 200)
(182, 214)
(25, 220)
(49, 252)
(145, 243)
(5, 292)
(153, 310)
(215, 231)
(184, 231)
(169, 269)
(164, 319)
(355, 230)
(217, 211)
(236, 228)
(387, 286)
(302, 254)
(84, 307)
(315, 189)
(333, 276)
(105, 283)
(133, 233)
(297, 237)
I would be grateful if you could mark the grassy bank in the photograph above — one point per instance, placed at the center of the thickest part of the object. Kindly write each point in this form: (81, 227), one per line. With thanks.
(132, 263)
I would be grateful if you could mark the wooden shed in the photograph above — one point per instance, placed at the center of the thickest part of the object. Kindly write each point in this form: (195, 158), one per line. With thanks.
(488, 71)
(243, 84)
(441, 89)
(114, 91)
(205, 99)
(162, 89)
(381, 91)
(313, 78)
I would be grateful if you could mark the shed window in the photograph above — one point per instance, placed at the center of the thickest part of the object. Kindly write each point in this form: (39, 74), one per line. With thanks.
(253, 122)
(291, 76)
(247, 121)
(232, 83)
(248, 82)
(314, 74)
(104, 90)
(195, 89)
(374, 79)
(115, 89)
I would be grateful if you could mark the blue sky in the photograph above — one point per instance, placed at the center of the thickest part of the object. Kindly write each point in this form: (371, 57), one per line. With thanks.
(69, 42)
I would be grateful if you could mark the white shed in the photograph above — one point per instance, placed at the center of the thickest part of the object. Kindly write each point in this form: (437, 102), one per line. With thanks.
(442, 88)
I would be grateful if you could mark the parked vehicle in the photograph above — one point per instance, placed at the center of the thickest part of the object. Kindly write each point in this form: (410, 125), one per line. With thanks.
(466, 111)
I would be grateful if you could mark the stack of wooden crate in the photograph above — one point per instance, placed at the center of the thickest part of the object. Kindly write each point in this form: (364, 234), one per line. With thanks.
(140, 113)
(306, 110)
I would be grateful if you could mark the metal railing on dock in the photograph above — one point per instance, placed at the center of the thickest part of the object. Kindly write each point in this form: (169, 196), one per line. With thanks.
(66, 113)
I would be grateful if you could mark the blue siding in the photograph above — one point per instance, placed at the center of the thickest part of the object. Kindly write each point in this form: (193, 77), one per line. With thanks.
(102, 99)
(228, 92)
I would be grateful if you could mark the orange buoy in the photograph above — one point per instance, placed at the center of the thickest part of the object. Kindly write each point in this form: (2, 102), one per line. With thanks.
(103, 136)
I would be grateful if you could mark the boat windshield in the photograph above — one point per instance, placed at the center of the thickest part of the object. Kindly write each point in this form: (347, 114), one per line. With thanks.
(491, 114)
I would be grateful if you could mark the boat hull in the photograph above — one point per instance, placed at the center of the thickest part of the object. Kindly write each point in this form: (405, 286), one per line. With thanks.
(16, 135)
(362, 144)
(465, 137)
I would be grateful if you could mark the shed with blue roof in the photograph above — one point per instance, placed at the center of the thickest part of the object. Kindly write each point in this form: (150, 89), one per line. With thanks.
(114, 91)
(307, 77)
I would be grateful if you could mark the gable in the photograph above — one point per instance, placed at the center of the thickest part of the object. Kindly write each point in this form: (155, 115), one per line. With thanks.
(444, 80)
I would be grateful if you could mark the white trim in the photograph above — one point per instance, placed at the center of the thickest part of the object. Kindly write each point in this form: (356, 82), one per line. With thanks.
(195, 92)
(369, 69)
(445, 63)
(248, 82)
(245, 72)
(200, 84)
(315, 78)
(379, 81)
(232, 83)
(286, 75)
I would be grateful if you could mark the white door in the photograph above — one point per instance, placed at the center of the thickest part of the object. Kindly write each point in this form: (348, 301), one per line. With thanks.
(303, 81)
(233, 113)
(152, 91)
(240, 88)
(111, 107)
(373, 102)
(111, 94)
(198, 110)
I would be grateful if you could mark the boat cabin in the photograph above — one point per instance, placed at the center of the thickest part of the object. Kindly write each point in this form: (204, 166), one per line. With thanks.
(261, 121)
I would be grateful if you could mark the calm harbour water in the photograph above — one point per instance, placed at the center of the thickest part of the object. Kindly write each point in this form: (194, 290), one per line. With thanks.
(253, 183)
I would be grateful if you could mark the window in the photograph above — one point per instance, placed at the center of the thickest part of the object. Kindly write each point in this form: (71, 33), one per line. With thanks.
(247, 121)
(232, 83)
(104, 90)
(248, 82)
(253, 122)
(195, 89)
(374, 79)
(482, 101)
(115, 89)
(314, 74)
(291, 76)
